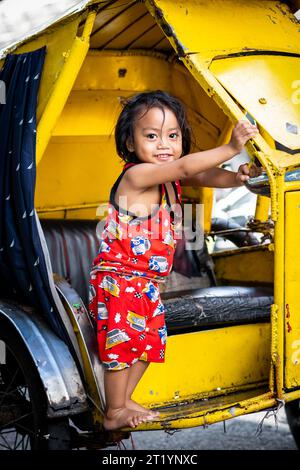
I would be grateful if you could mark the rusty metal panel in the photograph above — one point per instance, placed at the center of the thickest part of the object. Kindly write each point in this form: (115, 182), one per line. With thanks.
(217, 27)
(292, 298)
(267, 86)
(218, 361)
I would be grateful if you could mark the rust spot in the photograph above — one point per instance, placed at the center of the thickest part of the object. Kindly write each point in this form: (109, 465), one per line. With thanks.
(288, 314)
(272, 19)
(122, 73)
(281, 9)
(287, 11)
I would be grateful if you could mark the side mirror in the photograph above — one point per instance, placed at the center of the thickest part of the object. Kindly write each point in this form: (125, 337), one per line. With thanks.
(260, 184)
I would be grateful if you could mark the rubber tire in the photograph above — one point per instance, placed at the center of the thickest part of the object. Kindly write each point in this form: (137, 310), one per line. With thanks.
(56, 430)
(292, 411)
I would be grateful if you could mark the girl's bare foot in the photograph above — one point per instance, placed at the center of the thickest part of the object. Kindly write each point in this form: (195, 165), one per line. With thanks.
(124, 417)
(133, 405)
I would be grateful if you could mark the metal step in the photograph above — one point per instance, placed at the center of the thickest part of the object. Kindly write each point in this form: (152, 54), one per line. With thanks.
(209, 410)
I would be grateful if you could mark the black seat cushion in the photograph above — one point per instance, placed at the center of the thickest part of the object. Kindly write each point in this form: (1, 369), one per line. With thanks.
(73, 244)
(217, 306)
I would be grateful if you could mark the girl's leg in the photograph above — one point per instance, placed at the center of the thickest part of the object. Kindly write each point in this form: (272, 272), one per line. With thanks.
(117, 414)
(136, 372)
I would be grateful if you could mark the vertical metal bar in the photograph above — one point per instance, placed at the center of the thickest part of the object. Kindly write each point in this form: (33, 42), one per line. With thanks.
(63, 87)
(278, 307)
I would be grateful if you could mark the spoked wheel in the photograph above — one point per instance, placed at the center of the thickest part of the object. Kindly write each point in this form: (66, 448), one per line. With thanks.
(23, 418)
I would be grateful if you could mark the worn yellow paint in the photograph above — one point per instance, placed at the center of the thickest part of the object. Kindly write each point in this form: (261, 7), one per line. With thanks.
(268, 99)
(197, 53)
(58, 41)
(292, 300)
(214, 414)
(64, 83)
(266, 155)
(65, 53)
(279, 275)
(82, 142)
(214, 361)
(292, 186)
(240, 266)
(214, 28)
(193, 48)
(84, 211)
(291, 396)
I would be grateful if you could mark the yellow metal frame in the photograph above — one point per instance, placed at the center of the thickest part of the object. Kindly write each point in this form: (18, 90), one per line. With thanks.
(272, 160)
(64, 80)
(212, 358)
(275, 163)
(224, 412)
(290, 314)
(63, 86)
(86, 126)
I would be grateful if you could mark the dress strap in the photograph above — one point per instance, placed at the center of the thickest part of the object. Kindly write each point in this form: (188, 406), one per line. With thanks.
(116, 183)
(165, 191)
(128, 165)
(177, 190)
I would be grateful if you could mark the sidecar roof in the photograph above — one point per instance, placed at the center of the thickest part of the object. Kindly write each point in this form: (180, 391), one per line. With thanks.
(251, 48)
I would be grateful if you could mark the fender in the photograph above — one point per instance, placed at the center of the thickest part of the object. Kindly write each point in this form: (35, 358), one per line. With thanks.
(56, 367)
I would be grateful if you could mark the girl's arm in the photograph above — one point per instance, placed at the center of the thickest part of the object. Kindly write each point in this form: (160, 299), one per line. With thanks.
(221, 178)
(146, 175)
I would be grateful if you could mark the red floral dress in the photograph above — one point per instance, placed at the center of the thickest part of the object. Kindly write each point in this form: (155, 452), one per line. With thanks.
(135, 255)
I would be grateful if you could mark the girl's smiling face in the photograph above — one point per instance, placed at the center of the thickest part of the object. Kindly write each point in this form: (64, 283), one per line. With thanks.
(157, 137)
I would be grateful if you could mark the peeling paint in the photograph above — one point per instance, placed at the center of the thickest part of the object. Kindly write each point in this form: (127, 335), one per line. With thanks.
(281, 9)
(296, 354)
(288, 314)
(284, 9)
(272, 19)
(168, 30)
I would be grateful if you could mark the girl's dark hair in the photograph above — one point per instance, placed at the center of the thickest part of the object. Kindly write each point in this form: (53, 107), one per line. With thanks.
(143, 102)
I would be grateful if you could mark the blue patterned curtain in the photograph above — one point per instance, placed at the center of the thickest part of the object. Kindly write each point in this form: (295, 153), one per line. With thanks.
(23, 268)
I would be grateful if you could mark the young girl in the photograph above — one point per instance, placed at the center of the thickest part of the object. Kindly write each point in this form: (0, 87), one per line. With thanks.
(137, 245)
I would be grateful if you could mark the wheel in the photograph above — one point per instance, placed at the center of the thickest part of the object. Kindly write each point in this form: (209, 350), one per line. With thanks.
(23, 406)
(292, 411)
